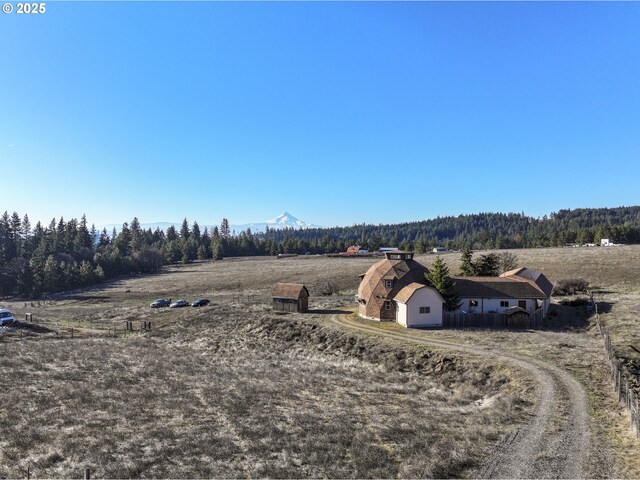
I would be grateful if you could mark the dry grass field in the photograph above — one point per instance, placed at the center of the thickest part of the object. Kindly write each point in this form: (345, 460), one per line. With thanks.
(234, 390)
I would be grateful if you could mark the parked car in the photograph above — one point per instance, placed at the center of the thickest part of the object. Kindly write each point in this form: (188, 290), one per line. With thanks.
(161, 302)
(179, 303)
(201, 302)
(5, 317)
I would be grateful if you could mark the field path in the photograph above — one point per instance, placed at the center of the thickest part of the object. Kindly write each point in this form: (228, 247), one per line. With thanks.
(554, 443)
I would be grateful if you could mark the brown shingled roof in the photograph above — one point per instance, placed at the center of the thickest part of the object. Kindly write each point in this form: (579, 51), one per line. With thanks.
(405, 294)
(372, 290)
(535, 276)
(496, 287)
(289, 291)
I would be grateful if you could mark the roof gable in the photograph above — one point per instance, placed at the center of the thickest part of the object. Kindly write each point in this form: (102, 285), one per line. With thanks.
(407, 292)
(289, 291)
(535, 276)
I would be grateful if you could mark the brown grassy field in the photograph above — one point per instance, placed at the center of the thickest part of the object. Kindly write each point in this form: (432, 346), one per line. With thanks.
(233, 390)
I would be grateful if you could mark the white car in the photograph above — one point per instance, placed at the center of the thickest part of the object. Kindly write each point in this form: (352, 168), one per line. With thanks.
(5, 317)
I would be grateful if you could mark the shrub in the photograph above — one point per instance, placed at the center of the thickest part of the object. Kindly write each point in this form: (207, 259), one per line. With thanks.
(570, 286)
(327, 288)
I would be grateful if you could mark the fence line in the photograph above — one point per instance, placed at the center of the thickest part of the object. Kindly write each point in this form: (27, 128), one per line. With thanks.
(493, 320)
(624, 393)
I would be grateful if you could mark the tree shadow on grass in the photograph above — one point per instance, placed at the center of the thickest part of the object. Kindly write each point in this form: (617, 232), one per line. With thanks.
(30, 327)
(574, 315)
(604, 307)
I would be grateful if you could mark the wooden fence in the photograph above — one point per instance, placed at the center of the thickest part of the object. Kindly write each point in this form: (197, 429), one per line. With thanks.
(493, 320)
(624, 392)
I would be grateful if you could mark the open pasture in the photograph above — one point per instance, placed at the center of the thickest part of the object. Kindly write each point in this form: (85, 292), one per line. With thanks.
(233, 390)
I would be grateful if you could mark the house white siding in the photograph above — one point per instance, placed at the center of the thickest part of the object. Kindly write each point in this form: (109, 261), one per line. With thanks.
(408, 314)
(494, 305)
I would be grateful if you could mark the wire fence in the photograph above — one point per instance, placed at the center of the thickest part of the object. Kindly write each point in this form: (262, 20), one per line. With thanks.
(624, 393)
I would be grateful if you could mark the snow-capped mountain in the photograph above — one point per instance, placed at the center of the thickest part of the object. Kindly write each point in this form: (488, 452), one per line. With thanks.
(284, 220)
(287, 220)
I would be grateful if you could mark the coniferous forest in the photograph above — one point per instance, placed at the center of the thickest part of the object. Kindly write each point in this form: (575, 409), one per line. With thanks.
(37, 260)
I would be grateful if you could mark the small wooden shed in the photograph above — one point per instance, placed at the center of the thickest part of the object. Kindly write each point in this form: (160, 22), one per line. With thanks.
(517, 317)
(290, 297)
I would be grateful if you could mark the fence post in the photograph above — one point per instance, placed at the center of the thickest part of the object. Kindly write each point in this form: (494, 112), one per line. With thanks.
(637, 418)
(619, 385)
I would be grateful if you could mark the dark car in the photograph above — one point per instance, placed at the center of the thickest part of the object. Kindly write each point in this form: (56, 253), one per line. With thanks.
(161, 302)
(179, 303)
(201, 302)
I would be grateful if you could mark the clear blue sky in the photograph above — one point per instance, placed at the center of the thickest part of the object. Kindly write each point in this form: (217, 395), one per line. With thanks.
(340, 113)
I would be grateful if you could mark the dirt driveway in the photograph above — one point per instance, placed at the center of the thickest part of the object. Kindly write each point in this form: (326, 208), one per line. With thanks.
(556, 442)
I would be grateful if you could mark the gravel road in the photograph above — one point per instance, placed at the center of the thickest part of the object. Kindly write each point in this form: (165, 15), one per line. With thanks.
(554, 443)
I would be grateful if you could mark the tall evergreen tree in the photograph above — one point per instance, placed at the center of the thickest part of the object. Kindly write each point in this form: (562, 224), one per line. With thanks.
(171, 233)
(439, 277)
(184, 229)
(488, 265)
(195, 231)
(225, 230)
(467, 268)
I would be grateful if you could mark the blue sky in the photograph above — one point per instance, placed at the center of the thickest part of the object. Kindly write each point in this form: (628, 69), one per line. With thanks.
(340, 113)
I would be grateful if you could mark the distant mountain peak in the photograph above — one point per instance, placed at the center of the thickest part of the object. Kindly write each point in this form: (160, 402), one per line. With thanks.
(284, 220)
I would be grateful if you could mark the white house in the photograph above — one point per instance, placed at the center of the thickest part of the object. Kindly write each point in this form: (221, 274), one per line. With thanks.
(396, 289)
(527, 289)
(419, 305)
(537, 278)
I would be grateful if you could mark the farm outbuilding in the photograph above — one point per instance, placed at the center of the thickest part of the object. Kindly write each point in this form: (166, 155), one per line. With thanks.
(290, 297)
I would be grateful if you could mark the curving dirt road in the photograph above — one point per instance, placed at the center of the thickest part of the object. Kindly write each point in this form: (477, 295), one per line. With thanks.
(554, 443)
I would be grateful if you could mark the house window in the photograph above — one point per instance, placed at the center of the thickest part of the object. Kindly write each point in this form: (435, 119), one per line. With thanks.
(504, 303)
(473, 303)
(425, 309)
(522, 304)
(388, 283)
(387, 305)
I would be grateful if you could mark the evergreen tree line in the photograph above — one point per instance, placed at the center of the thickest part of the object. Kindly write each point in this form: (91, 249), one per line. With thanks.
(479, 231)
(70, 254)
